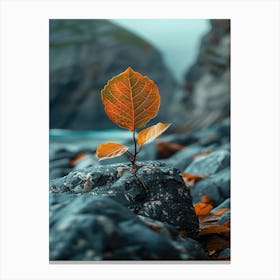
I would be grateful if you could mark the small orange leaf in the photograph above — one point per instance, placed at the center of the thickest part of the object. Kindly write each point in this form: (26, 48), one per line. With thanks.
(131, 100)
(220, 212)
(191, 179)
(149, 134)
(207, 199)
(202, 208)
(166, 149)
(75, 160)
(206, 153)
(214, 229)
(110, 150)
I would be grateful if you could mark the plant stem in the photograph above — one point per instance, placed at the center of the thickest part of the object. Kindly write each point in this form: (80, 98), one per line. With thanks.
(134, 166)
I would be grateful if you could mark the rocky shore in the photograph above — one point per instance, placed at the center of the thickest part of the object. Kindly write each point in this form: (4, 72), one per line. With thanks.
(103, 211)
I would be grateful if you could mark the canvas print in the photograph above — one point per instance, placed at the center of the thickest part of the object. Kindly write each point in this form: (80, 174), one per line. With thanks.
(139, 140)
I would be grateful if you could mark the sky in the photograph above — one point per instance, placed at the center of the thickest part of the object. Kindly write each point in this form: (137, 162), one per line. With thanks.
(177, 39)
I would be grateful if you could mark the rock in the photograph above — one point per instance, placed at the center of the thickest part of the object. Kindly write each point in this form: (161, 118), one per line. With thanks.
(158, 191)
(87, 227)
(184, 157)
(216, 186)
(209, 164)
(224, 254)
(84, 55)
(224, 204)
(224, 219)
(206, 94)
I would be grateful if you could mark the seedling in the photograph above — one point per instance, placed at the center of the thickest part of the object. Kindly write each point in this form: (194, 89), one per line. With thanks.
(131, 100)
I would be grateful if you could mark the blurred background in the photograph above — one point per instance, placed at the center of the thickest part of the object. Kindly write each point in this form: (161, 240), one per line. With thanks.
(189, 60)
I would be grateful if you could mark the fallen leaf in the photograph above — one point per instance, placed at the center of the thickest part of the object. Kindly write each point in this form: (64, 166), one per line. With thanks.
(110, 150)
(220, 212)
(207, 199)
(206, 153)
(78, 158)
(166, 149)
(217, 243)
(202, 208)
(131, 100)
(191, 179)
(210, 229)
(149, 134)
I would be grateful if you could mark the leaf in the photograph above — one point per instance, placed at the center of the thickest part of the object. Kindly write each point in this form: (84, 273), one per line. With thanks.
(220, 212)
(202, 208)
(191, 179)
(78, 158)
(166, 149)
(217, 243)
(149, 134)
(131, 100)
(206, 153)
(213, 229)
(110, 150)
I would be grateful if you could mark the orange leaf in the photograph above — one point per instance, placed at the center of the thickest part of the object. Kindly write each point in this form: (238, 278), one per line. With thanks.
(202, 208)
(75, 160)
(206, 153)
(166, 149)
(214, 229)
(221, 211)
(191, 179)
(206, 199)
(131, 100)
(110, 150)
(149, 134)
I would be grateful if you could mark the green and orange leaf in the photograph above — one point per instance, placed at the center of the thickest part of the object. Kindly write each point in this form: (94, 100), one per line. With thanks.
(131, 100)
(110, 150)
(149, 134)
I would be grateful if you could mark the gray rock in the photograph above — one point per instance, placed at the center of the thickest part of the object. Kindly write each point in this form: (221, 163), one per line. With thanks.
(184, 157)
(224, 219)
(158, 191)
(224, 254)
(216, 186)
(209, 164)
(84, 55)
(87, 227)
(224, 204)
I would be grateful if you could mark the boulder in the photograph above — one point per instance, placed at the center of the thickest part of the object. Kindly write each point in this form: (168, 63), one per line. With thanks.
(90, 228)
(209, 164)
(156, 191)
(216, 186)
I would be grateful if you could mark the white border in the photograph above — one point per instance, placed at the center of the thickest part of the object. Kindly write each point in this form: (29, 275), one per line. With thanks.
(255, 138)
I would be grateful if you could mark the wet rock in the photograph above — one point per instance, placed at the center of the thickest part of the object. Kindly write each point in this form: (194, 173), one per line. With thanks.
(216, 186)
(157, 191)
(209, 164)
(224, 219)
(184, 157)
(224, 204)
(87, 227)
(224, 254)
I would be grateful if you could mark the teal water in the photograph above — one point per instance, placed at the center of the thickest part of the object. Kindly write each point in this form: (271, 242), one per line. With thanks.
(177, 39)
(56, 134)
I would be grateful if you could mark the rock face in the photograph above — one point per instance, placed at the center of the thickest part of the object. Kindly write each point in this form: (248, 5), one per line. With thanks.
(206, 96)
(84, 55)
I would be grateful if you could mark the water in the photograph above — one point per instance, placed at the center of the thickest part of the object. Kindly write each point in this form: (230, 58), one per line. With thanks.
(177, 39)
